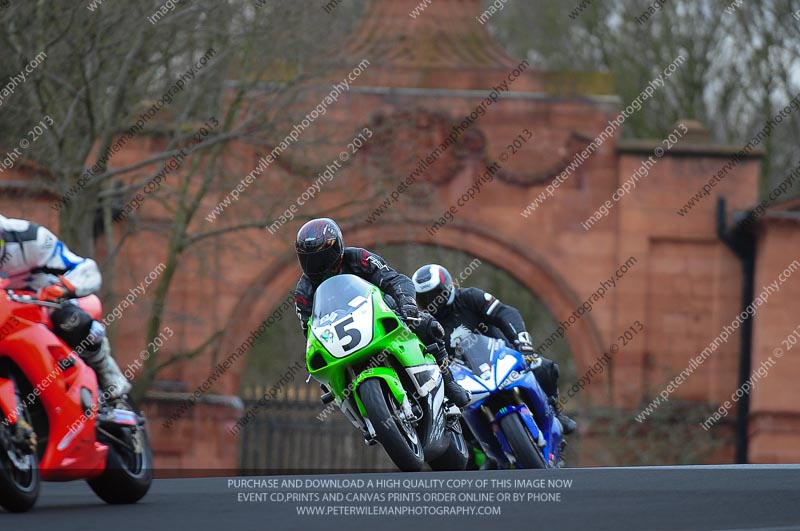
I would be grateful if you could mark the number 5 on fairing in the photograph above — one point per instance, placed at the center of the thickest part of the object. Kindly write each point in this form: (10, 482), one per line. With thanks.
(351, 332)
(342, 331)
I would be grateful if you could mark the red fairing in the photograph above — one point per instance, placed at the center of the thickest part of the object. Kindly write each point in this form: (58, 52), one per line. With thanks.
(72, 450)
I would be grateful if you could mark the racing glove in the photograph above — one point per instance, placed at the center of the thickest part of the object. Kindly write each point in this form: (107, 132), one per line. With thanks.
(409, 310)
(435, 330)
(525, 347)
(63, 289)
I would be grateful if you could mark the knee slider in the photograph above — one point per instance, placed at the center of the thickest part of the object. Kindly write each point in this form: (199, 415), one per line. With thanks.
(72, 324)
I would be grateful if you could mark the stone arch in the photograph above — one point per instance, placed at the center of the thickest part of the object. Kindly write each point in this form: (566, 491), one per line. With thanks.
(527, 266)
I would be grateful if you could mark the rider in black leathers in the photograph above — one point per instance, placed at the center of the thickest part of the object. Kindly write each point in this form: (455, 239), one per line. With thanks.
(465, 310)
(322, 254)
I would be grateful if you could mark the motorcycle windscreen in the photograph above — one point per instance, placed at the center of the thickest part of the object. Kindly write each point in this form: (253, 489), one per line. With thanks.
(342, 315)
(475, 350)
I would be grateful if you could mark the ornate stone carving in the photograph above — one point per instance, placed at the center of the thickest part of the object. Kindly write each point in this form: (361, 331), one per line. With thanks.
(432, 147)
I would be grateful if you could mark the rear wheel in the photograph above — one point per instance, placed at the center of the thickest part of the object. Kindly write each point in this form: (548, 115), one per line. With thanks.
(398, 437)
(525, 449)
(129, 466)
(19, 466)
(456, 455)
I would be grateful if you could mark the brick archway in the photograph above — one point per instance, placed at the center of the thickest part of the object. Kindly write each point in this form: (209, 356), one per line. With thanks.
(527, 266)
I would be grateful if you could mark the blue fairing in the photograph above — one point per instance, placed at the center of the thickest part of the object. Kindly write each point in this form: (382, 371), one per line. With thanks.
(498, 378)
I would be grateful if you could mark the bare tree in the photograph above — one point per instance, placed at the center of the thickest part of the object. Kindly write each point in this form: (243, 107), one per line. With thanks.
(199, 79)
(740, 70)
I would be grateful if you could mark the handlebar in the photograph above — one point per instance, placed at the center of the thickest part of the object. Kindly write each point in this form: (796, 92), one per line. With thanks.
(28, 299)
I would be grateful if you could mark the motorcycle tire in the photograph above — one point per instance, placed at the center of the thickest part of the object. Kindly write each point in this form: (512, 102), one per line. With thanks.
(403, 448)
(19, 489)
(128, 475)
(525, 449)
(455, 457)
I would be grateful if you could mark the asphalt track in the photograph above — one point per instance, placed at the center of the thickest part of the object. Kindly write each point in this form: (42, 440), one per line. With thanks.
(763, 498)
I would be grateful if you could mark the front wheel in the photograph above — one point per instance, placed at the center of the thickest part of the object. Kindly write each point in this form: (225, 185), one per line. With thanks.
(19, 465)
(129, 465)
(398, 437)
(525, 449)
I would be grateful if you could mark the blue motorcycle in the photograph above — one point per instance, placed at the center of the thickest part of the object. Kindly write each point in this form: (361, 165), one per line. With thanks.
(509, 413)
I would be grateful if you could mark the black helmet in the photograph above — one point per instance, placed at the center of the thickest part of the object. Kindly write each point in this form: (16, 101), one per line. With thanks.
(319, 248)
(434, 287)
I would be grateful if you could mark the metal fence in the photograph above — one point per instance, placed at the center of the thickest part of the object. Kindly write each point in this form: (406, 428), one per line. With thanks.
(287, 436)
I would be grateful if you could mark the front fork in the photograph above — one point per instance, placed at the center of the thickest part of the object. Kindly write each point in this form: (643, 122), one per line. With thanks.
(9, 403)
(16, 434)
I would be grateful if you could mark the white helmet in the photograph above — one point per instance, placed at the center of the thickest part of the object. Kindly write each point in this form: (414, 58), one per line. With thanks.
(434, 287)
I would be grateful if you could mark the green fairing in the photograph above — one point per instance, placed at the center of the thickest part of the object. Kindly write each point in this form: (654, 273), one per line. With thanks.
(386, 374)
(400, 343)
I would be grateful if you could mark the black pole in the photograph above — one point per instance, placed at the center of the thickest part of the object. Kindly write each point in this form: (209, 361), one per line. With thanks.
(742, 243)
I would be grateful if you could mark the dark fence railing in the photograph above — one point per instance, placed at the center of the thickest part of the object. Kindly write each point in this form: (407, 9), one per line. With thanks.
(288, 437)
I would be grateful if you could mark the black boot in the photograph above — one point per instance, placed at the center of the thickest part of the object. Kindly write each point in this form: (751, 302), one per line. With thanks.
(567, 423)
(454, 392)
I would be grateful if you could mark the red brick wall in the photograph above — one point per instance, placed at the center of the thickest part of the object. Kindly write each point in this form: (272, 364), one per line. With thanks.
(775, 415)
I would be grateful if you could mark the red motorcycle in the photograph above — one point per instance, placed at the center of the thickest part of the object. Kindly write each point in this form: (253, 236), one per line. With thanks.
(54, 425)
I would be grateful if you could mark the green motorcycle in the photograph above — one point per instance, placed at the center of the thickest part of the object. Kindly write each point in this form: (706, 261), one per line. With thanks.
(381, 376)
